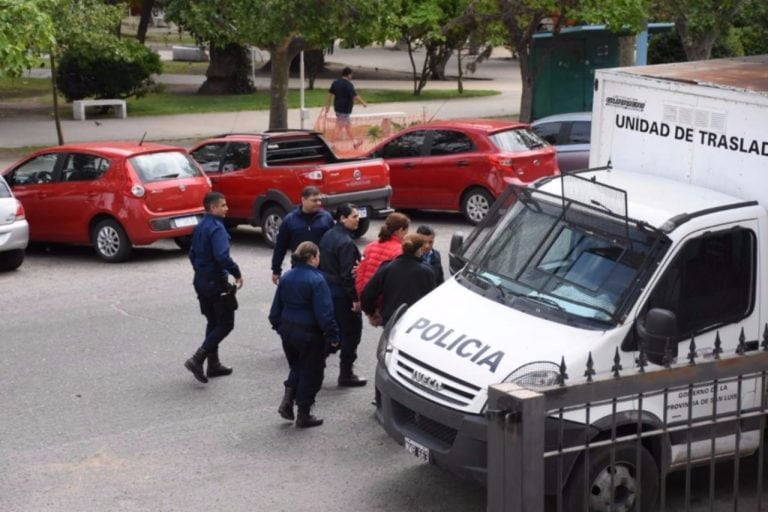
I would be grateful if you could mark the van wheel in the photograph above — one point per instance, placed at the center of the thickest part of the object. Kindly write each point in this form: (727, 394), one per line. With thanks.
(11, 260)
(475, 204)
(624, 481)
(110, 241)
(270, 224)
(183, 242)
(362, 228)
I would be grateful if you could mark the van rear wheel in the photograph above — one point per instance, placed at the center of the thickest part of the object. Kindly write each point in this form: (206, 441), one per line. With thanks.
(617, 487)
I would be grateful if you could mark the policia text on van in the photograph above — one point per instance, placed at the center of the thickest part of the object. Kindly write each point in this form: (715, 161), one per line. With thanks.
(672, 231)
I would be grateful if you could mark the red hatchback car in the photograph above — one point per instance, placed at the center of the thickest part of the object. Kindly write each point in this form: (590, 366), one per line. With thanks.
(113, 195)
(462, 164)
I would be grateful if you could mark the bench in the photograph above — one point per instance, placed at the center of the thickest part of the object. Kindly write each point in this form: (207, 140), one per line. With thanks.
(78, 107)
(189, 54)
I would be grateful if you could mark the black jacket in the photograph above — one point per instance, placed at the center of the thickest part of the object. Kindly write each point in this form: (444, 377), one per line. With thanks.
(338, 256)
(403, 280)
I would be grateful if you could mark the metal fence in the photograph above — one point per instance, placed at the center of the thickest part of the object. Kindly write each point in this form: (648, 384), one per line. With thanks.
(687, 435)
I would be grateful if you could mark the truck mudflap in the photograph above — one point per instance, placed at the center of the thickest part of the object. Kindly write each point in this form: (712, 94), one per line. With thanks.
(457, 441)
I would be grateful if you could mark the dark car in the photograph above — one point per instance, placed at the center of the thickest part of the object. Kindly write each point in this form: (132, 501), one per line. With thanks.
(570, 134)
(462, 164)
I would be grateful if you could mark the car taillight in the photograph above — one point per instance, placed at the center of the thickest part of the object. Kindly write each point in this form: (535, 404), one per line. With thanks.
(20, 213)
(137, 191)
(505, 164)
(316, 175)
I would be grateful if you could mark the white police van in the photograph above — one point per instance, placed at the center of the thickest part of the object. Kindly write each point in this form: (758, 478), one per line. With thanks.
(674, 227)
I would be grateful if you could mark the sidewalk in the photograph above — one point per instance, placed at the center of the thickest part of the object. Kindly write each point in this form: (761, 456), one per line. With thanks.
(496, 73)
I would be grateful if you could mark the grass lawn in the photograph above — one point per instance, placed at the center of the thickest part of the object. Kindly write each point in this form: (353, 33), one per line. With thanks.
(37, 90)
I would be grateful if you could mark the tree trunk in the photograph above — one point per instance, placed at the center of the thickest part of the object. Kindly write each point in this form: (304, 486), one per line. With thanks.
(627, 51)
(278, 89)
(526, 100)
(146, 14)
(55, 91)
(229, 71)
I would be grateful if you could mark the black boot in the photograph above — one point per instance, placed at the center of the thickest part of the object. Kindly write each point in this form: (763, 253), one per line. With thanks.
(195, 365)
(348, 379)
(285, 410)
(215, 368)
(306, 420)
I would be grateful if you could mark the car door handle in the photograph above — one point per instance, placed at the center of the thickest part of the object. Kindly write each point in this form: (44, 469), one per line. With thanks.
(463, 163)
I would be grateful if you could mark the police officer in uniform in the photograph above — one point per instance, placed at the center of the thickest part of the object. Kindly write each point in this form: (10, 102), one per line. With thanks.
(212, 264)
(302, 313)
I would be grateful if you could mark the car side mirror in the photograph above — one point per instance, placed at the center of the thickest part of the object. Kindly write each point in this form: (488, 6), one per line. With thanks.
(455, 262)
(657, 334)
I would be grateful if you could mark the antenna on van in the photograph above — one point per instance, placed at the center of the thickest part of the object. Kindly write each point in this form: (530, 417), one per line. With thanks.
(141, 142)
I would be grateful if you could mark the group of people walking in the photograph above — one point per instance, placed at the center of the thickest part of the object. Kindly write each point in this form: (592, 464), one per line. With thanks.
(319, 303)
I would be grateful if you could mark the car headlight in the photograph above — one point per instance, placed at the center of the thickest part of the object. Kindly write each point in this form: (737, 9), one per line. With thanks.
(385, 347)
(536, 375)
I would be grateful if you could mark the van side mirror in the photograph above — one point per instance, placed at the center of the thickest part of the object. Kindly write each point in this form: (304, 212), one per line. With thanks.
(455, 262)
(657, 333)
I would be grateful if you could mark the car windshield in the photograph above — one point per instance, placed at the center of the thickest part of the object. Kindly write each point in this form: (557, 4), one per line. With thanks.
(579, 264)
(519, 139)
(165, 165)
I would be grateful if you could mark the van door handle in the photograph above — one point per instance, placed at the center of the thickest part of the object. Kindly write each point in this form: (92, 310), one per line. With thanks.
(463, 163)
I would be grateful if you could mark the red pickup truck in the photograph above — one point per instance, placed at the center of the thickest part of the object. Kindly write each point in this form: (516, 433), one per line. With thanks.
(263, 174)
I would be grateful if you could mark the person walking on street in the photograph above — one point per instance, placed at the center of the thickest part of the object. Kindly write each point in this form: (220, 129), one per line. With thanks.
(387, 247)
(209, 254)
(431, 256)
(343, 94)
(338, 257)
(307, 223)
(302, 314)
(403, 280)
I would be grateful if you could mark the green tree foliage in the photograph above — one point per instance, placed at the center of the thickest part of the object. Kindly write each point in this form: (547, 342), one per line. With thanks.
(116, 68)
(751, 27)
(26, 31)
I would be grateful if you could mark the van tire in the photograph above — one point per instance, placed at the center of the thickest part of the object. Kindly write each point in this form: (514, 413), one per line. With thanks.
(111, 242)
(270, 224)
(475, 204)
(362, 228)
(11, 260)
(625, 480)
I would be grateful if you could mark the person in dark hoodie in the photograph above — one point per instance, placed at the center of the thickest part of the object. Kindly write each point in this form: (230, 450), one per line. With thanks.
(302, 314)
(307, 223)
(338, 257)
(403, 280)
(431, 256)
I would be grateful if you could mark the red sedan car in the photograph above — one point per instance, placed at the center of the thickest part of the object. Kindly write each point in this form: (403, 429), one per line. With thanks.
(113, 195)
(462, 165)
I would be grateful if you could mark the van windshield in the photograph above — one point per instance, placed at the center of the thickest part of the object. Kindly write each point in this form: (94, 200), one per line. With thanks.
(579, 263)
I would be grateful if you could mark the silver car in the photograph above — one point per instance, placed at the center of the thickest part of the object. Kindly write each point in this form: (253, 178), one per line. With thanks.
(570, 134)
(14, 230)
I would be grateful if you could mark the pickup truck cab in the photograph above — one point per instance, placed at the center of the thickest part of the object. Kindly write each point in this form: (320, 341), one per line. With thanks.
(263, 174)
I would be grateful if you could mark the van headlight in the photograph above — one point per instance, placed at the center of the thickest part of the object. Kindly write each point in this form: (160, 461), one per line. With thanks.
(390, 329)
(536, 375)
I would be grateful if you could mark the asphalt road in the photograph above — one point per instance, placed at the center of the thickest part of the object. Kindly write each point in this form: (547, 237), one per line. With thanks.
(98, 412)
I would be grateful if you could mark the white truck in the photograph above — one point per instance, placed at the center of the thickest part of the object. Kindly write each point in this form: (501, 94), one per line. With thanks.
(668, 226)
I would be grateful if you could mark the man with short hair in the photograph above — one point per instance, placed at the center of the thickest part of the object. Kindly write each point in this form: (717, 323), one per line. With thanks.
(212, 263)
(343, 94)
(307, 223)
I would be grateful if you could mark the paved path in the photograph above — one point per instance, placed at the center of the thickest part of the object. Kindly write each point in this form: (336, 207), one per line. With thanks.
(499, 72)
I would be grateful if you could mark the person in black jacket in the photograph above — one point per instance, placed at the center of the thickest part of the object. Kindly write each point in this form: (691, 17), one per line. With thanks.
(302, 314)
(338, 257)
(307, 223)
(431, 256)
(403, 280)
(209, 254)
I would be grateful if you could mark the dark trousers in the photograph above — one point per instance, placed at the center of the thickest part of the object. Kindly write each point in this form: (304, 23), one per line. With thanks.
(306, 362)
(350, 329)
(221, 319)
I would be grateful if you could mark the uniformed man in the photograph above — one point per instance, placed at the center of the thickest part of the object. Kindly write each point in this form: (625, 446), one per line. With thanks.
(212, 263)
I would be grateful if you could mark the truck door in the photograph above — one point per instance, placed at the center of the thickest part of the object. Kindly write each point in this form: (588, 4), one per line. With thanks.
(710, 286)
(227, 164)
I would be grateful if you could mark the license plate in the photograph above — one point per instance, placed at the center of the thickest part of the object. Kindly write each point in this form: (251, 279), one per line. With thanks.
(183, 222)
(418, 450)
(363, 211)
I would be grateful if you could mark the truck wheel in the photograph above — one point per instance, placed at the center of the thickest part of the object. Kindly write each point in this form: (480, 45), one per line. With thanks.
(475, 204)
(270, 224)
(110, 241)
(183, 242)
(362, 228)
(11, 260)
(624, 481)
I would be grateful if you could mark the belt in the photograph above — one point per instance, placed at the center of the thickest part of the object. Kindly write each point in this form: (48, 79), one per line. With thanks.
(302, 327)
